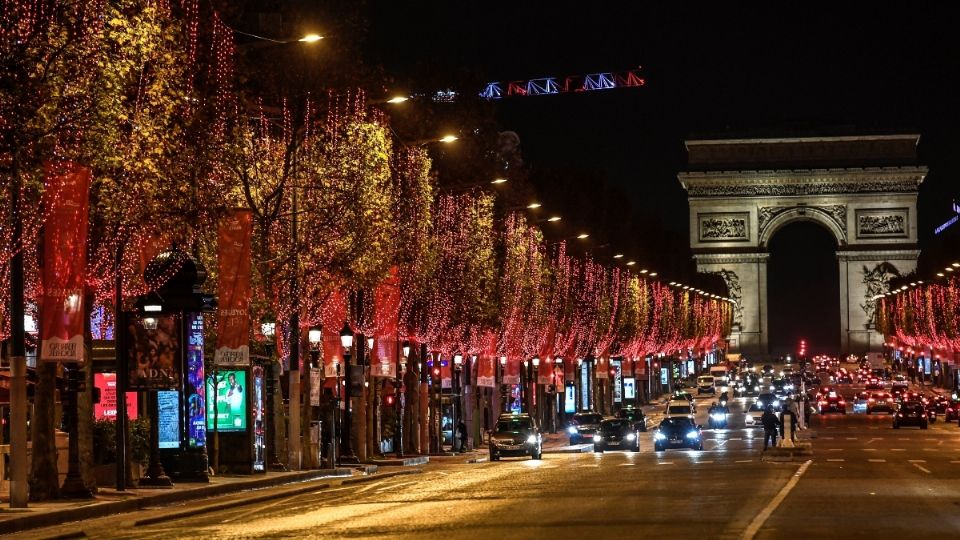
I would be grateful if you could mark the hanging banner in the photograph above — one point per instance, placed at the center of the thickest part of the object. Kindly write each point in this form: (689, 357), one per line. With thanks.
(315, 387)
(333, 314)
(387, 317)
(233, 294)
(154, 355)
(66, 188)
(487, 362)
(511, 373)
(446, 373)
(545, 371)
(569, 369)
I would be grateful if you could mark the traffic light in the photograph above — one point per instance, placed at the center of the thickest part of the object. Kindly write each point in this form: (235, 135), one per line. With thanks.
(389, 400)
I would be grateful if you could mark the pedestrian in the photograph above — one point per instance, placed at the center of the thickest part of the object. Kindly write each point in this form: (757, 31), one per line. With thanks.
(770, 425)
(462, 435)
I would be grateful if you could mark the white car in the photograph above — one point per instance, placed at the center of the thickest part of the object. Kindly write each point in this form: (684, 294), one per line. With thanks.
(678, 407)
(754, 413)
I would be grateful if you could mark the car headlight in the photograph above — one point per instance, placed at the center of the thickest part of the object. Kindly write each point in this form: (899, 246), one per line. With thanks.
(659, 436)
(718, 416)
(572, 430)
(756, 388)
(775, 403)
(532, 439)
(597, 437)
(692, 434)
(630, 437)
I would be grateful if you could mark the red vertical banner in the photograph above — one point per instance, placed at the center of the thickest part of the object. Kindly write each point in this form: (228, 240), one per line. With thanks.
(487, 362)
(66, 191)
(570, 369)
(387, 317)
(233, 295)
(446, 372)
(603, 367)
(545, 371)
(511, 374)
(333, 315)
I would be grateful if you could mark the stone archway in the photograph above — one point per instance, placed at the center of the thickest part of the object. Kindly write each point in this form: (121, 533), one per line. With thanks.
(740, 194)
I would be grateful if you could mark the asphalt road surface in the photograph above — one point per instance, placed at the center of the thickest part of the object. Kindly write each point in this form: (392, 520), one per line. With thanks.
(865, 480)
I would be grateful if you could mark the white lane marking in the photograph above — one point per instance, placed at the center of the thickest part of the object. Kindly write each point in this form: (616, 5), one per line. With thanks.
(851, 438)
(764, 514)
(930, 449)
(834, 449)
(836, 460)
(898, 449)
(736, 439)
(916, 461)
(665, 463)
(594, 466)
(929, 440)
(626, 465)
(705, 461)
(744, 460)
(921, 467)
(827, 438)
(370, 486)
(902, 439)
(873, 460)
(869, 449)
(955, 461)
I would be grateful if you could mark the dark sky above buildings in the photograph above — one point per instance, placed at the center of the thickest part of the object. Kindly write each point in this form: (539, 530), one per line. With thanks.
(710, 68)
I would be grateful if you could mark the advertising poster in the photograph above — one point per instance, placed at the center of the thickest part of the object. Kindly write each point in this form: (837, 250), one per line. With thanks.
(195, 392)
(228, 404)
(584, 386)
(316, 386)
(107, 408)
(259, 413)
(168, 412)
(629, 388)
(233, 292)
(66, 187)
(664, 375)
(570, 399)
(154, 354)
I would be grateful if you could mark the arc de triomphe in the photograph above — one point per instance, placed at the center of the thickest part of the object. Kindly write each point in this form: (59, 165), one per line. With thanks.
(863, 189)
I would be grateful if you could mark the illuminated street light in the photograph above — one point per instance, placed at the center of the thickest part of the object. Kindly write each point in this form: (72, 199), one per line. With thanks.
(631, 263)
(653, 274)
(643, 270)
(499, 181)
(554, 219)
(397, 99)
(446, 139)
(618, 256)
(534, 205)
(310, 38)
(583, 236)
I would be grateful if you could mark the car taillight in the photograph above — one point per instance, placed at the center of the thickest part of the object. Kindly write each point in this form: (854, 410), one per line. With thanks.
(842, 402)
(889, 400)
(870, 400)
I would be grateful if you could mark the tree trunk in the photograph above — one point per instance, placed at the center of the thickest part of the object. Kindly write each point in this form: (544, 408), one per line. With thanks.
(44, 482)
(85, 402)
(411, 416)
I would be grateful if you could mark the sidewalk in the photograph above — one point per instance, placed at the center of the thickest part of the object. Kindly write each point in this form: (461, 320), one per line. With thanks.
(110, 501)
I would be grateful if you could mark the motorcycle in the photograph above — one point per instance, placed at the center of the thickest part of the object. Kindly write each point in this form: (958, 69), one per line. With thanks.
(717, 420)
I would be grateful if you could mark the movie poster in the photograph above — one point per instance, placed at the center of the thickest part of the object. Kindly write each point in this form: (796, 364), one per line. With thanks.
(154, 354)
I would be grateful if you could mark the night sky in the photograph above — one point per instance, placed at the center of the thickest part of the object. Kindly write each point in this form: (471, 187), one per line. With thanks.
(713, 69)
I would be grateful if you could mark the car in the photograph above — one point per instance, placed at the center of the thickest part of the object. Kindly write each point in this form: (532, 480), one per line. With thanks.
(939, 403)
(754, 413)
(953, 409)
(616, 433)
(678, 407)
(910, 413)
(880, 402)
(767, 370)
(634, 415)
(583, 426)
(874, 384)
(678, 432)
(913, 396)
(717, 417)
(687, 396)
(898, 389)
(749, 385)
(832, 403)
(844, 378)
(705, 385)
(515, 435)
(931, 408)
(770, 400)
(860, 402)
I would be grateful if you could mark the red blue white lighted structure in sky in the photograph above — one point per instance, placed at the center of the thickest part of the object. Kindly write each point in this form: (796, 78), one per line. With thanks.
(561, 85)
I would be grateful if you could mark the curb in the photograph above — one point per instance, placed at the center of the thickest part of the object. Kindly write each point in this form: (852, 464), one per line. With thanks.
(49, 519)
(262, 498)
(401, 462)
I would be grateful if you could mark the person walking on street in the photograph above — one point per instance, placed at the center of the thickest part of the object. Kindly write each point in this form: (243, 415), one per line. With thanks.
(462, 436)
(770, 426)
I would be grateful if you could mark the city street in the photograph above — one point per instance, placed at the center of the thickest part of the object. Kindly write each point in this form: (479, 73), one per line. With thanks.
(864, 480)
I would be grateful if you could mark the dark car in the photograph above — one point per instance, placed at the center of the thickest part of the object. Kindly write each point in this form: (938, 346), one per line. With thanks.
(898, 389)
(767, 370)
(749, 385)
(833, 402)
(677, 432)
(912, 396)
(515, 435)
(939, 404)
(616, 434)
(953, 410)
(879, 402)
(910, 413)
(634, 415)
(769, 400)
(583, 426)
(874, 384)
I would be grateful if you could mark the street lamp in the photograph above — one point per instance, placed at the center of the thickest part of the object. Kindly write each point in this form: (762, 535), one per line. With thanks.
(346, 341)
(315, 337)
(501, 387)
(406, 349)
(457, 367)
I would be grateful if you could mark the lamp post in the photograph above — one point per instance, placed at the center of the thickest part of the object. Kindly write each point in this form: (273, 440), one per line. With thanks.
(457, 366)
(315, 339)
(269, 330)
(525, 387)
(400, 405)
(534, 394)
(346, 341)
